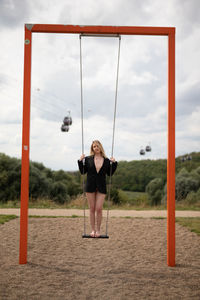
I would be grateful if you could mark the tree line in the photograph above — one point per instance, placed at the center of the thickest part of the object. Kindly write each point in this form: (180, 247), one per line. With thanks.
(139, 176)
(58, 186)
(150, 176)
(187, 188)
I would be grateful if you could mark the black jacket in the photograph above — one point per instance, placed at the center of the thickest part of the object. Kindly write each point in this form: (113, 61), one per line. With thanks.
(96, 181)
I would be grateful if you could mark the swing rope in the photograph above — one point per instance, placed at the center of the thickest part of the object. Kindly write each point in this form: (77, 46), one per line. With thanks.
(113, 136)
(81, 80)
(113, 133)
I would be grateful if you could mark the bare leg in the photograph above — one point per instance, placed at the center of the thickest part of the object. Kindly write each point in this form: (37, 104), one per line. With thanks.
(91, 202)
(99, 205)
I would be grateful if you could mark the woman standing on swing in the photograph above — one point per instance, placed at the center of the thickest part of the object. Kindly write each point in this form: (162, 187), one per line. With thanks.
(97, 166)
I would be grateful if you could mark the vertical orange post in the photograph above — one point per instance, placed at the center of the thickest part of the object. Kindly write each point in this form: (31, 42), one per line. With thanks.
(171, 153)
(25, 149)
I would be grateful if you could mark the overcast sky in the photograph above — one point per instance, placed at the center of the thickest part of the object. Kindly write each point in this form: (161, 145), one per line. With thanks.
(142, 92)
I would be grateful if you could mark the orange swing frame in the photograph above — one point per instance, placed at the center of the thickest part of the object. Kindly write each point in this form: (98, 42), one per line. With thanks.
(98, 30)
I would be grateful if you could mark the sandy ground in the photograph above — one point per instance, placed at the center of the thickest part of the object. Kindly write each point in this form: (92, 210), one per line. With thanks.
(112, 213)
(131, 264)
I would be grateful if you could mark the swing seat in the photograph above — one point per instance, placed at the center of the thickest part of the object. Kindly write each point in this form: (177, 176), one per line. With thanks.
(88, 236)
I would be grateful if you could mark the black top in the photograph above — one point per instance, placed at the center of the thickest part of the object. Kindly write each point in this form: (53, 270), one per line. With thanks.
(96, 180)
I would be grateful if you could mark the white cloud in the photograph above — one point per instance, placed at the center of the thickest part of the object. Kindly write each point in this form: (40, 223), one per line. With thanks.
(142, 97)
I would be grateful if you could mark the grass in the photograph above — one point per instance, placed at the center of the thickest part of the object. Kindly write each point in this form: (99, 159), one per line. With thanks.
(139, 201)
(6, 218)
(193, 224)
(128, 206)
(125, 206)
(40, 203)
(132, 201)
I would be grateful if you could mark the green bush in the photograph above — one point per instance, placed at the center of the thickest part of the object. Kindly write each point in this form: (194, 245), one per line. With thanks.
(38, 184)
(183, 172)
(123, 197)
(184, 185)
(58, 193)
(155, 191)
(133, 198)
(74, 188)
(195, 174)
(193, 198)
(114, 196)
(10, 178)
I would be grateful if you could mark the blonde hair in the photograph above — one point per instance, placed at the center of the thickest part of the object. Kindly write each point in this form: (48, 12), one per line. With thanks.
(100, 147)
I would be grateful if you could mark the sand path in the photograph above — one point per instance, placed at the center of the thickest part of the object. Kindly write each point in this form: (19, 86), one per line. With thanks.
(112, 213)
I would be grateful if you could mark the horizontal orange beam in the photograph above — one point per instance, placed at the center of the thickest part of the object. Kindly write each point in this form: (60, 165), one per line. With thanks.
(126, 30)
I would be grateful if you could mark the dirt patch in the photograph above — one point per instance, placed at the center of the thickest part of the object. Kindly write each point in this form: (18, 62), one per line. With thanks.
(113, 213)
(131, 264)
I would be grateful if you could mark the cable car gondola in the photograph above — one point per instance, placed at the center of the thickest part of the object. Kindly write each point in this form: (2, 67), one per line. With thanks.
(64, 128)
(67, 121)
(142, 152)
(184, 158)
(148, 148)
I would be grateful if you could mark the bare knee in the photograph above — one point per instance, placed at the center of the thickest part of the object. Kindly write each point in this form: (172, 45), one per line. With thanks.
(99, 210)
(91, 201)
(92, 209)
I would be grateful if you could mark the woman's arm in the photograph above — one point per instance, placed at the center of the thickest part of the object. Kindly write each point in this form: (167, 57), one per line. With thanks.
(82, 164)
(112, 166)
